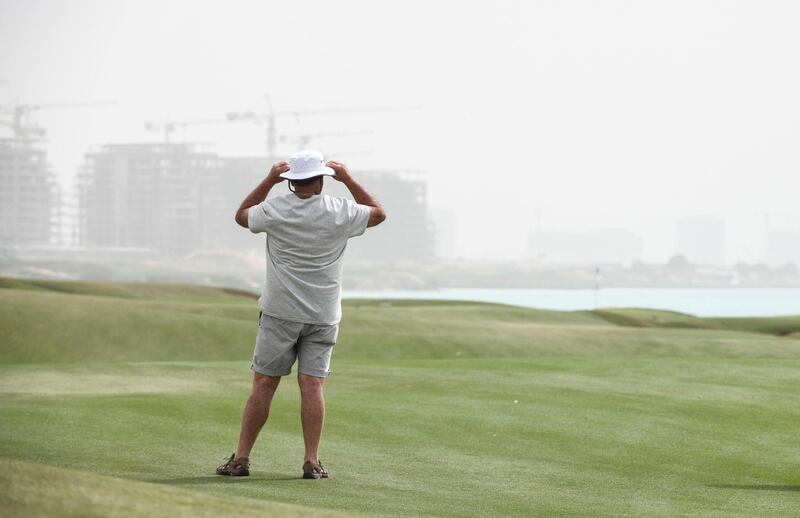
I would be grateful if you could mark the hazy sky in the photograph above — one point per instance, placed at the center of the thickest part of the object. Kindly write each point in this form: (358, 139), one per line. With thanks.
(602, 114)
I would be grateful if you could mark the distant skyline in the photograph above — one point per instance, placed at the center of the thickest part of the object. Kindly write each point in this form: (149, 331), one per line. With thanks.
(626, 115)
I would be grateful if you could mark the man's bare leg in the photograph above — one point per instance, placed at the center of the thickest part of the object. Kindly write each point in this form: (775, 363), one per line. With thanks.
(256, 411)
(312, 413)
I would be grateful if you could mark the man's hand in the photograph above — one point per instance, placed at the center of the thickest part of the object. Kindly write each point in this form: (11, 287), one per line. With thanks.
(342, 173)
(274, 175)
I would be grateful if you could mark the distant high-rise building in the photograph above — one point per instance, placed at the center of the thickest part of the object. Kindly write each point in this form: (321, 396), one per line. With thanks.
(407, 233)
(28, 194)
(593, 246)
(783, 247)
(701, 239)
(146, 196)
(224, 189)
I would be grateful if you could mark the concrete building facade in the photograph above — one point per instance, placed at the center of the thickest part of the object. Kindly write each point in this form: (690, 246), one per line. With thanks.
(28, 194)
(407, 233)
(145, 196)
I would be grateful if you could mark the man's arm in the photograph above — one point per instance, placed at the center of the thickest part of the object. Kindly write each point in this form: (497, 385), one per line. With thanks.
(360, 194)
(259, 194)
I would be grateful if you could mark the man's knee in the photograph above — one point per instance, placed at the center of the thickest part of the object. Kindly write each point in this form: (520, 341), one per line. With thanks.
(262, 383)
(309, 384)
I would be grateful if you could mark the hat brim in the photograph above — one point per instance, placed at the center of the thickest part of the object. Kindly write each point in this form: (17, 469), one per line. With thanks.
(322, 171)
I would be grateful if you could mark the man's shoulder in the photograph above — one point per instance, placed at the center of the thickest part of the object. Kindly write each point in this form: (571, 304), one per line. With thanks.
(277, 203)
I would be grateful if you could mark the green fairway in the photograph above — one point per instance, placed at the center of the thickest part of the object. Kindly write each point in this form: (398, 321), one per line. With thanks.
(434, 409)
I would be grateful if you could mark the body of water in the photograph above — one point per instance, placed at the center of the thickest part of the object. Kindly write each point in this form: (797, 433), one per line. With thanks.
(729, 302)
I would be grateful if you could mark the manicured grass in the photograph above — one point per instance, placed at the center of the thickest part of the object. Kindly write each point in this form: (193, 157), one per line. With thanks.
(566, 436)
(434, 409)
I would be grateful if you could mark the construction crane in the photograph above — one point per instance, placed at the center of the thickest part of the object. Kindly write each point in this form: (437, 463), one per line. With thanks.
(20, 114)
(269, 117)
(167, 127)
(303, 140)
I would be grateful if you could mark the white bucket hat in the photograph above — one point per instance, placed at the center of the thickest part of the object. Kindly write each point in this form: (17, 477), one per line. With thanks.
(307, 164)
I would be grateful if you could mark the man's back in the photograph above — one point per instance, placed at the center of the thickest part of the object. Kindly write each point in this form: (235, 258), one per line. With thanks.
(306, 239)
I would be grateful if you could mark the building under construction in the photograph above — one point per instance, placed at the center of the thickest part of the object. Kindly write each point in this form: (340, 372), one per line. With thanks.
(147, 196)
(407, 233)
(32, 210)
(180, 198)
(28, 194)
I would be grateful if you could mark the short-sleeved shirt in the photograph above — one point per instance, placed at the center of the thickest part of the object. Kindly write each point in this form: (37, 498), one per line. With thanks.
(306, 239)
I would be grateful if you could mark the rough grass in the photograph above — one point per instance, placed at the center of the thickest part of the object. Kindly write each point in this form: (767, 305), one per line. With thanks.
(41, 490)
(113, 403)
(48, 321)
(148, 291)
(638, 317)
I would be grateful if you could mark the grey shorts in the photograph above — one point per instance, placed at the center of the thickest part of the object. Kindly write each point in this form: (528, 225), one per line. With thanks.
(280, 342)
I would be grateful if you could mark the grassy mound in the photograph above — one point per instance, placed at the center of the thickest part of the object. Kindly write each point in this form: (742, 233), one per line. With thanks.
(48, 321)
(131, 290)
(638, 317)
(68, 322)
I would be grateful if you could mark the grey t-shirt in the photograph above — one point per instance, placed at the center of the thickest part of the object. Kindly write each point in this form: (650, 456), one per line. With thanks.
(306, 238)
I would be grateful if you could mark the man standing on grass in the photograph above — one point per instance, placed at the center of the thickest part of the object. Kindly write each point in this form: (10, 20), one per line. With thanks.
(301, 305)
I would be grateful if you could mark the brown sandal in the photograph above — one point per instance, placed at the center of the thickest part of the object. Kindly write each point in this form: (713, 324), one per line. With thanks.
(235, 467)
(314, 470)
